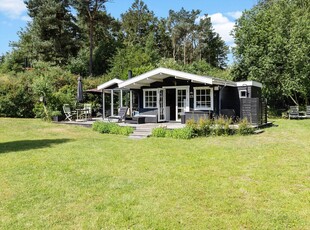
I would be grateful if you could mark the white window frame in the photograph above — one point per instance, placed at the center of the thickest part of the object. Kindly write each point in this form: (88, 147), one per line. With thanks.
(211, 98)
(240, 93)
(144, 104)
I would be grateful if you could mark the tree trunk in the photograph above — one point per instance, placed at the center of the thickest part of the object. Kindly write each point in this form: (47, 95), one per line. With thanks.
(91, 29)
(184, 53)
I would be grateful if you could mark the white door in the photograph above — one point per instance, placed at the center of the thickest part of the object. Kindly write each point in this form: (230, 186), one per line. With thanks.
(161, 97)
(182, 102)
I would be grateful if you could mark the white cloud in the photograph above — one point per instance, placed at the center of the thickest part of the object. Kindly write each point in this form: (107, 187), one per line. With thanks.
(235, 15)
(12, 8)
(223, 26)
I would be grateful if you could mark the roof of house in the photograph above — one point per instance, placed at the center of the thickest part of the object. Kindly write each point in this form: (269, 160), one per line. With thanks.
(157, 75)
(249, 83)
(161, 73)
(109, 83)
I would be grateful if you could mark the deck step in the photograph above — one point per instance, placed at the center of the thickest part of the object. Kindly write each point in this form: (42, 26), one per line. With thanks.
(141, 132)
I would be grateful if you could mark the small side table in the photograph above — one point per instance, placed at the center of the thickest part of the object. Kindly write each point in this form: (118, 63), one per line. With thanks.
(80, 113)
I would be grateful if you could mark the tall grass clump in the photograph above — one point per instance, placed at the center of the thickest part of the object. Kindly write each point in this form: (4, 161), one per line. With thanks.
(159, 132)
(181, 133)
(221, 127)
(111, 128)
(244, 127)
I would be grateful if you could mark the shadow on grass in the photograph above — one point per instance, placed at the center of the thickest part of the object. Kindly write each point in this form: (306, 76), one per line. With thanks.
(24, 145)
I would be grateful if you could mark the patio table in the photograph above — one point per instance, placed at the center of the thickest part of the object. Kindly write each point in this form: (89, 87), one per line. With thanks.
(80, 113)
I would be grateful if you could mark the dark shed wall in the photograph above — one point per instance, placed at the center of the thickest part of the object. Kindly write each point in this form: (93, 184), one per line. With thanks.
(230, 99)
(253, 91)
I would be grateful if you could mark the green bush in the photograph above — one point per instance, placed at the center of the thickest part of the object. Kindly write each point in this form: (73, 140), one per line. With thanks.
(112, 128)
(169, 133)
(205, 126)
(191, 123)
(221, 127)
(183, 133)
(159, 132)
(244, 128)
(126, 130)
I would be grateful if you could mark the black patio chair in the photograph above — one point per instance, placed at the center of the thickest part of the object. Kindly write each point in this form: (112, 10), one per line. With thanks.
(293, 112)
(121, 115)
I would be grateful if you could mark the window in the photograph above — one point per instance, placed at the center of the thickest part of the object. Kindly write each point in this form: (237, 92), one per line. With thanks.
(243, 93)
(203, 98)
(150, 98)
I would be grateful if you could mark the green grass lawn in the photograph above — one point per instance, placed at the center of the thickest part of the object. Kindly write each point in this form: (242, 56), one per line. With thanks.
(66, 177)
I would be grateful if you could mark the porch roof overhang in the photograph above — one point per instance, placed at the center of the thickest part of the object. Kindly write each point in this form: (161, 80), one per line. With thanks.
(109, 84)
(159, 74)
(249, 83)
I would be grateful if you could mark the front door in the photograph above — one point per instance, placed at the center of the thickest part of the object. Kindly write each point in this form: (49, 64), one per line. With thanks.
(182, 102)
(161, 104)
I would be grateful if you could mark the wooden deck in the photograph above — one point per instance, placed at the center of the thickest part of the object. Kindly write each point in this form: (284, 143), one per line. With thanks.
(141, 130)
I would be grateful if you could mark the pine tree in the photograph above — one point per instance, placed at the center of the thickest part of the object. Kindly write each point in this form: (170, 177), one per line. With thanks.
(89, 11)
(52, 36)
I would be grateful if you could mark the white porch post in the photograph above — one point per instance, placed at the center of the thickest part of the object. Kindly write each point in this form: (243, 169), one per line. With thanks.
(121, 98)
(103, 104)
(112, 103)
(130, 102)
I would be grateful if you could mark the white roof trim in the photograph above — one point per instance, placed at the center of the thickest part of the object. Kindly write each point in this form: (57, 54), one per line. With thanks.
(249, 83)
(109, 83)
(161, 73)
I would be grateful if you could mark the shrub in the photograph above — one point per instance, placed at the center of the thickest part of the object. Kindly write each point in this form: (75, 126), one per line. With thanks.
(244, 128)
(205, 126)
(112, 128)
(194, 126)
(183, 133)
(169, 133)
(126, 130)
(159, 132)
(221, 127)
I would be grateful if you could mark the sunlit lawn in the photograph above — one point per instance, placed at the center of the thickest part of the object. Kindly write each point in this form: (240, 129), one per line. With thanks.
(66, 177)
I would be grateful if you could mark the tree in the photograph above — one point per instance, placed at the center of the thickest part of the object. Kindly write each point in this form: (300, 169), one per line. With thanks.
(193, 41)
(137, 23)
(130, 58)
(273, 47)
(106, 39)
(89, 11)
(52, 36)
(210, 46)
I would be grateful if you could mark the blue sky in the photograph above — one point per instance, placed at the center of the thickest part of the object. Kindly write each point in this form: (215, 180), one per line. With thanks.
(13, 14)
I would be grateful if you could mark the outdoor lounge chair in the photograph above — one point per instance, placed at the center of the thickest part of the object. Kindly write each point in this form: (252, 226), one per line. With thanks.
(68, 113)
(121, 115)
(293, 112)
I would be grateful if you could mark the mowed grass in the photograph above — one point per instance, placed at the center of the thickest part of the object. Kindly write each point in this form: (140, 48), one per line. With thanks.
(66, 177)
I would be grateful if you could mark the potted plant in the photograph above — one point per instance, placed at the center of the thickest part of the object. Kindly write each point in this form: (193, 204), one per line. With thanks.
(55, 115)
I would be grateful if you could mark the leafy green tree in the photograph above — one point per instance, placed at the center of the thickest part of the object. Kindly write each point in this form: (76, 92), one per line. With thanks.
(182, 26)
(129, 58)
(106, 39)
(90, 12)
(16, 96)
(137, 24)
(273, 47)
(209, 45)
(193, 41)
(52, 35)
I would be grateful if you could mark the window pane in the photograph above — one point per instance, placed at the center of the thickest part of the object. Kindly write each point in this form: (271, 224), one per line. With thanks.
(203, 98)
